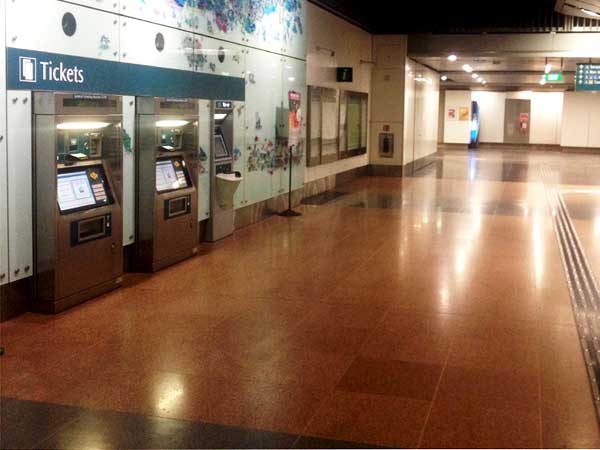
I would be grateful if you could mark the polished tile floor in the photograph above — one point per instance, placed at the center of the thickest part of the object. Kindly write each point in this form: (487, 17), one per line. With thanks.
(428, 311)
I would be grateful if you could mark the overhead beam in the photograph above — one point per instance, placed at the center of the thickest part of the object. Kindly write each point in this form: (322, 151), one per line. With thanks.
(559, 45)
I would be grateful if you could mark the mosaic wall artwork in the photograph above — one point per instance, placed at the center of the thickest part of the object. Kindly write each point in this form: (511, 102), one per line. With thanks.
(265, 20)
(267, 156)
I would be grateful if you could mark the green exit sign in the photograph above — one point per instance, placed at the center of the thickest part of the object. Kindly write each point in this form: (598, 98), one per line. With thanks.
(554, 77)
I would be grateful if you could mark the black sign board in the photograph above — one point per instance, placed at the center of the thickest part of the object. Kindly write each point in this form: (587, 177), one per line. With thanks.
(344, 74)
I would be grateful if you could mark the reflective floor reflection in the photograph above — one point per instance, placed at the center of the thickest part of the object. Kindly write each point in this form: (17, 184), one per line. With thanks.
(427, 311)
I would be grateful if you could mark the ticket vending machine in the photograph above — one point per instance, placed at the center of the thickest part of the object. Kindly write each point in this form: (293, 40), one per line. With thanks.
(224, 181)
(167, 174)
(78, 252)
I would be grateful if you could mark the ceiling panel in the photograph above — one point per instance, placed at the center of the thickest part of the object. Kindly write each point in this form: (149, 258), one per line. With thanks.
(385, 17)
(505, 72)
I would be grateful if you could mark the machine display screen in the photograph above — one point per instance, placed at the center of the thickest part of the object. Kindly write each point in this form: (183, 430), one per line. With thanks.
(79, 189)
(221, 150)
(171, 175)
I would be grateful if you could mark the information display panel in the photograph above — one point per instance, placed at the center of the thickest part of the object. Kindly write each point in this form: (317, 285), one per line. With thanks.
(81, 188)
(171, 175)
(221, 151)
(587, 77)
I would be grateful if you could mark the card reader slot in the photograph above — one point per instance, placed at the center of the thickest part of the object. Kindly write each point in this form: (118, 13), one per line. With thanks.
(178, 206)
(87, 230)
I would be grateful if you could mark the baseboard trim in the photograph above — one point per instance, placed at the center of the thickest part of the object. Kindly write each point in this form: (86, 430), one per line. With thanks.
(409, 169)
(257, 212)
(14, 299)
(519, 148)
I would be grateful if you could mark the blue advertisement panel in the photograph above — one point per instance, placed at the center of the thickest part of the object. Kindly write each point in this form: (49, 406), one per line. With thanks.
(40, 71)
(587, 77)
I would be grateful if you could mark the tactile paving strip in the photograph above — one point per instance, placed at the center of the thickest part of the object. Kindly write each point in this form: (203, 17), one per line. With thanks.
(585, 295)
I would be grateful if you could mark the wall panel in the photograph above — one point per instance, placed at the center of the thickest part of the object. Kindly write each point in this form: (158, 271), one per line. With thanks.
(95, 33)
(294, 79)
(263, 99)
(3, 161)
(128, 205)
(273, 26)
(457, 131)
(154, 45)
(105, 5)
(19, 163)
(204, 141)
(594, 112)
(576, 120)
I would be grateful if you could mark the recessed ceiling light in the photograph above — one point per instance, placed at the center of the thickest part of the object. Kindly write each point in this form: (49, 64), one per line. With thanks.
(548, 68)
(444, 78)
(543, 81)
(452, 58)
(590, 13)
(467, 68)
(480, 79)
(484, 82)
(475, 76)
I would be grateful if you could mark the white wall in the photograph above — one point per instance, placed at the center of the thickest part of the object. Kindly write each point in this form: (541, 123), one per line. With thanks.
(491, 115)
(3, 161)
(546, 115)
(580, 120)
(388, 99)
(457, 131)
(351, 45)
(421, 111)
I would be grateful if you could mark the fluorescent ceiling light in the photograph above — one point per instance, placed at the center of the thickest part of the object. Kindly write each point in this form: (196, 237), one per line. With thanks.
(171, 123)
(467, 68)
(590, 13)
(452, 58)
(82, 125)
(220, 116)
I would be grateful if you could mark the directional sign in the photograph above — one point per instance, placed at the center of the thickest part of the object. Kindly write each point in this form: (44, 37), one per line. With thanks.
(554, 77)
(587, 77)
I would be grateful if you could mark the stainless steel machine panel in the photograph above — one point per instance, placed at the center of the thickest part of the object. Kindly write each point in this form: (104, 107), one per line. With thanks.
(78, 234)
(167, 174)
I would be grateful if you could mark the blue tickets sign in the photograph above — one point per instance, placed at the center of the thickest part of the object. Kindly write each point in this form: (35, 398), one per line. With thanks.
(41, 71)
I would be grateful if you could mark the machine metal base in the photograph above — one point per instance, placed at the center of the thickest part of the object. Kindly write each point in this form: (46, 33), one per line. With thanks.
(75, 299)
(173, 259)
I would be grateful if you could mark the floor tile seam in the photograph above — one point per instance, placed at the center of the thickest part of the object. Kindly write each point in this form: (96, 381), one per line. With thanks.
(433, 400)
(351, 362)
(541, 403)
(351, 273)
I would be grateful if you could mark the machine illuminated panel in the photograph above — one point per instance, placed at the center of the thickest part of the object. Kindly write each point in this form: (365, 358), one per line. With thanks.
(171, 175)
(82, 188)
(221, 150)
